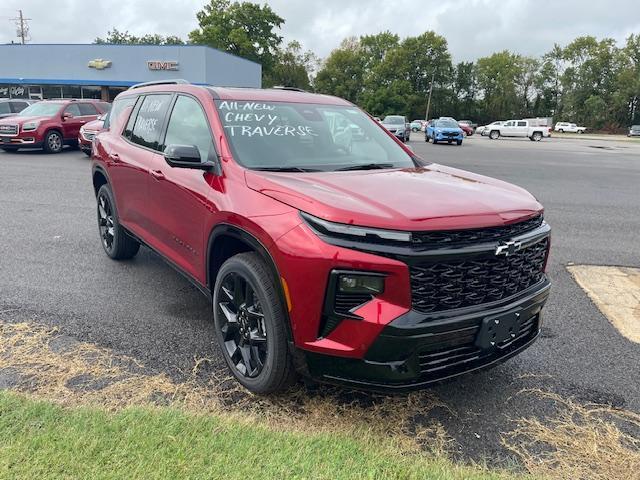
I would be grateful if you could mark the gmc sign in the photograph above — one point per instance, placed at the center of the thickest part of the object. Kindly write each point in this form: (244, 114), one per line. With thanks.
(162, 65)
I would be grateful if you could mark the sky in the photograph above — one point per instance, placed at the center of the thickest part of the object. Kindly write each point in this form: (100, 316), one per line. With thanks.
(473, 28)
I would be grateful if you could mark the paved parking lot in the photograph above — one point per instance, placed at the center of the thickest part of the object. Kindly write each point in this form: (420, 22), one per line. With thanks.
(53, 271)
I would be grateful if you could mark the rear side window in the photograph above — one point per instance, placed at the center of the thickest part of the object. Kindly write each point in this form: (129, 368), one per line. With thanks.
(118, 107)
(87, 109)
(73, 110)
(17, 107)
(188, 125)
(522, 124)
(148, 123)
(4, 107)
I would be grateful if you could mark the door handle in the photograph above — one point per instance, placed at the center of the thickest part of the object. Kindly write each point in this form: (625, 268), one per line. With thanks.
(157, 174)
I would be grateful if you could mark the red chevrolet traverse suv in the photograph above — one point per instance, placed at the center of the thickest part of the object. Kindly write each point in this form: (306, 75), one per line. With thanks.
(49, 124)
(340, 257)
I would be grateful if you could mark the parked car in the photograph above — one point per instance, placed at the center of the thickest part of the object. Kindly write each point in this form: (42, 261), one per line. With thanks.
(634, 131)
(466, 128)
(88, 132)
(418, 125)
(398, 125)
(484, 129)
(10, 106)
(318, 260)
(469, 123)
(569, 127)
(444, 130)
(519, 128)
(48, 124)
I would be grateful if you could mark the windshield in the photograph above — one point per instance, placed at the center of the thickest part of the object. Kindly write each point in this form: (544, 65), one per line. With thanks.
(446, 124)
(393, 120)
(41, 109)
(299, 136)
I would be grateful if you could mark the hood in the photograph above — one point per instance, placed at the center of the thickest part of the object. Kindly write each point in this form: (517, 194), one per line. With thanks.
(449, 129)
(94, 125)
(426, 198)
(16, 120)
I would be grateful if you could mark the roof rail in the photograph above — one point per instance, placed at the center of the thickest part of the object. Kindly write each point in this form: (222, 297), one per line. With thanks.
(177, 81)
(293, 89)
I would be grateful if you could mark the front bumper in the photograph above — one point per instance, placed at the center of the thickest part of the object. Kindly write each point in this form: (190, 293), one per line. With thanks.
(443, 137)
(28, 139)
(416, 350)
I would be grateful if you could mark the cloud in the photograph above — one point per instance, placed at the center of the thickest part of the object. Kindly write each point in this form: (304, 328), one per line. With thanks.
(473, 28)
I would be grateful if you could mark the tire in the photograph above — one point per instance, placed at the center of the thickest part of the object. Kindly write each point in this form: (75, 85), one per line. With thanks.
(9, 149)
(53, 142)
(459, 142)
(434, 140)
(536, 137)
(252, 334)
(426, 138)
(494, 134)
(580, 132)
(561, 130)
(116, 242)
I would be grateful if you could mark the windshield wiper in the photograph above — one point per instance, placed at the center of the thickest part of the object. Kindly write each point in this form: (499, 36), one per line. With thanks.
(366, 166)
(286, 169)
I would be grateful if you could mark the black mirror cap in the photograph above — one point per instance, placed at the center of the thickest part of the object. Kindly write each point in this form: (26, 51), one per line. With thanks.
(185, 156)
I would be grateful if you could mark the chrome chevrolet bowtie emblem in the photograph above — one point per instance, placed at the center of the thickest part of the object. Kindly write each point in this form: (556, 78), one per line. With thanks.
(508, 248)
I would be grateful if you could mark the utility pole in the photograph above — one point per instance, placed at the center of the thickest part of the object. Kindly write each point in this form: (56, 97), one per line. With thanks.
(23, 27)
(426, 116)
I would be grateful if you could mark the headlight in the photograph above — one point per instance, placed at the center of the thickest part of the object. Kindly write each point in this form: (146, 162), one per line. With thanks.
(324, 227)
(82, 129)
(30, 126)
(438, 131)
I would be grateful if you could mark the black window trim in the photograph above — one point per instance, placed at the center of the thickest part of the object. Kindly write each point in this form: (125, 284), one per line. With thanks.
(204, 112)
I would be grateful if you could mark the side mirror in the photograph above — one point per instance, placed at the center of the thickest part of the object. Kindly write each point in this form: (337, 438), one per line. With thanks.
(66, 116)
(185, 156)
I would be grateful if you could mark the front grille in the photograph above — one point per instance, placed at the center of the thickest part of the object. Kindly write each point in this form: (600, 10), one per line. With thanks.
(451, 134)
(439, 286)
(8, 129)
(463, 354)
(439, 239)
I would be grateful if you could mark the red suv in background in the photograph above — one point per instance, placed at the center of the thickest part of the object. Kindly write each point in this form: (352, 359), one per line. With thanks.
(88, 132)
(49, 124)
(342, 258)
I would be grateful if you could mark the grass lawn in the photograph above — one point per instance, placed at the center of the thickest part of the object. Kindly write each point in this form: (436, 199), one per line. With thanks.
(42, 440)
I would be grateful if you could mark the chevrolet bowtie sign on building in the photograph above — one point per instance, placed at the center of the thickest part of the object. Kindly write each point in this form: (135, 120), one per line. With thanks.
(99, 64)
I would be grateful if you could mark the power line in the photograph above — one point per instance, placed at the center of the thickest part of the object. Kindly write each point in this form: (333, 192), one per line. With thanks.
(22, 27)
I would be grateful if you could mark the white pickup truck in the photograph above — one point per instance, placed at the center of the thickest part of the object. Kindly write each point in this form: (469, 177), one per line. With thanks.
(518, 128)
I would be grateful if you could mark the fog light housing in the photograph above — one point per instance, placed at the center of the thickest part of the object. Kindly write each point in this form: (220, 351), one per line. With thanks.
(361, 284)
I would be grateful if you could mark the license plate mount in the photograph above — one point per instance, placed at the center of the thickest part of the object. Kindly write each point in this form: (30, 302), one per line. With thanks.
(499, 329)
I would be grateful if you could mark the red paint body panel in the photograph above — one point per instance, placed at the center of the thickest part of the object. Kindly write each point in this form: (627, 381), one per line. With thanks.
(175, 210)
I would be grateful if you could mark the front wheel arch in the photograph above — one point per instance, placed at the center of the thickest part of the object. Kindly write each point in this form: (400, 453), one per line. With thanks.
(232, 240)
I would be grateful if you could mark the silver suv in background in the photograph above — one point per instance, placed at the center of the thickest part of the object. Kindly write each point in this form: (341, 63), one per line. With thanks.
(11, 106)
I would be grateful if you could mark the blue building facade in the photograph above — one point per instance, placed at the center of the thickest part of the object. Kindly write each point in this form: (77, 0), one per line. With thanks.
(102, 71)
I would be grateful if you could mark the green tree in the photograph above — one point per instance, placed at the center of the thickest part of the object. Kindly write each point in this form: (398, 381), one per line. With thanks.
(342, 73)
(498, 76)
(292, 67)
(242, 28)
(117, 37)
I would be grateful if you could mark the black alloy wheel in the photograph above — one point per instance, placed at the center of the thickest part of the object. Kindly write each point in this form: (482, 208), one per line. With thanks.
(242, 325)
(251, 324)
(105, 222)
(116, 242)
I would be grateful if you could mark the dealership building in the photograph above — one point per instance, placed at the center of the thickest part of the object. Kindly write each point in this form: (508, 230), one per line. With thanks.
(102, 71)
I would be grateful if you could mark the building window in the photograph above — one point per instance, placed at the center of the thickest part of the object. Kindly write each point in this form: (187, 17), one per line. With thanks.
(35, 92)
(71, 91)
(113, 91)
(91, 92)
(51, 91)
